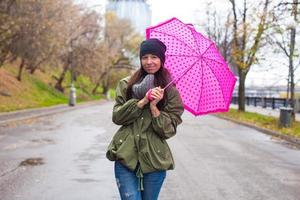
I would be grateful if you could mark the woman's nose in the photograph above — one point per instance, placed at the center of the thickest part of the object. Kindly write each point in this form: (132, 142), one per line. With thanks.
(149, 60)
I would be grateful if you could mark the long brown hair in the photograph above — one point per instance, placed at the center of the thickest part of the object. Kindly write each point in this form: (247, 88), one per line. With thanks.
(161, 78)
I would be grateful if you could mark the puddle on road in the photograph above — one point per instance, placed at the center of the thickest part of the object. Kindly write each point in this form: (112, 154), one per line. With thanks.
(26, 163)
(86, 180)
(32, 162)
(43, 141)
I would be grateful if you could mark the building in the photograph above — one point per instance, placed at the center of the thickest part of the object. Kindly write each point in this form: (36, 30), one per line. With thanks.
(136, 11)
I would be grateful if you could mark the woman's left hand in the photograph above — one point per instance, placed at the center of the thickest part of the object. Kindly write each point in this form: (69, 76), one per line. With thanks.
(157, 94)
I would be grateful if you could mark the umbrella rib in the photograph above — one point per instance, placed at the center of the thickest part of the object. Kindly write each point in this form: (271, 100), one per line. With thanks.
(176, 38)
(201, 85)
(182, 55)
(197, 46)
(181, 75)
(203, 56)
(213, 60)
(207, 49)
(217, 80)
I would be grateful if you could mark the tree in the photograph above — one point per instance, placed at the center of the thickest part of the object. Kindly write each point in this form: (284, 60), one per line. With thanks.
(43, 34)
(8, 27)
(246, 43)
(283, 34)
(218, 29)
(119, 37)
(82, 31)
(33, 31)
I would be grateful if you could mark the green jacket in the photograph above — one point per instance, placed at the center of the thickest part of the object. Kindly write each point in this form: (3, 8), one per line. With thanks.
(142, 138)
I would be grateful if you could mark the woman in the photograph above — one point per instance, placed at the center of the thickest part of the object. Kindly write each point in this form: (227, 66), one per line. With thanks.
(148, 115)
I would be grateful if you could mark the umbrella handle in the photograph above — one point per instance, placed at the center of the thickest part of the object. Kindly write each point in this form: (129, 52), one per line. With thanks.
(169, 84)
(148, 94)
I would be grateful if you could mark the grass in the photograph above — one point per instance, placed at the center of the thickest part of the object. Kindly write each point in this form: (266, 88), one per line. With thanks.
(37, 90)
(112, 93)
(263, 121)
(45, 95)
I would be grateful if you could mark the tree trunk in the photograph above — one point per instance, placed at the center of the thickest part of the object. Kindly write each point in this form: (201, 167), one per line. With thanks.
(291, 58)
(21, 66)
(3, 55)
(98, 82)
(32, 70)
(58, 84)
(95, 88)
(291, 66)
(241, 95)
(105, 87)
(105, 83)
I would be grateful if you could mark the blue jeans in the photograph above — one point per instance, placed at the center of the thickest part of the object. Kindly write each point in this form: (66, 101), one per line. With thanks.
(128, 183)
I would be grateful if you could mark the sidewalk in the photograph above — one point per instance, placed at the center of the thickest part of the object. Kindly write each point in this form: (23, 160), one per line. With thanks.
(40, 112)
(264, 111)
(267, 112)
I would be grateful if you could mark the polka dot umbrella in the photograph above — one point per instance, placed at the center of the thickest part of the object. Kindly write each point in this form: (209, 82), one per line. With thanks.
(200, 72)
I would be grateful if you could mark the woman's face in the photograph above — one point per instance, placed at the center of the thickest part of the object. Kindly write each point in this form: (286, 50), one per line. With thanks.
(151, 63)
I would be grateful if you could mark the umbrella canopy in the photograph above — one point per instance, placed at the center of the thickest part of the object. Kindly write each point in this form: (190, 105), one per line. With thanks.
(200, 72)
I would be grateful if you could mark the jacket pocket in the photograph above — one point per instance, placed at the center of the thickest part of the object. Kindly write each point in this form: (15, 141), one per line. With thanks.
(160, 153)
(159, 146)
(117, 141)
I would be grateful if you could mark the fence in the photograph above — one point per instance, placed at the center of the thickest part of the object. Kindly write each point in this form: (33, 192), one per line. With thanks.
(272, 102)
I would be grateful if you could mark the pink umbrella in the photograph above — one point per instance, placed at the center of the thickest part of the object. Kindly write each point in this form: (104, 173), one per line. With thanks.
(200, 72)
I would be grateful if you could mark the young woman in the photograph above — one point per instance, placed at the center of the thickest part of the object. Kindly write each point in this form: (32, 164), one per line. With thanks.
(148, 116)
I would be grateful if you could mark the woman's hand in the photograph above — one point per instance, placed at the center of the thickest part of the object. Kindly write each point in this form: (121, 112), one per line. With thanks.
(157, 95)
(143, 102)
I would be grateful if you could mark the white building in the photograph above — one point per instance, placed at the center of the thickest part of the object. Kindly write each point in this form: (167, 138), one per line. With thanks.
(136, 11)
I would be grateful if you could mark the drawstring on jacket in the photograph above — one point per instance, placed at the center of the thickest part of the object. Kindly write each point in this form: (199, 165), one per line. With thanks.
(140, 175)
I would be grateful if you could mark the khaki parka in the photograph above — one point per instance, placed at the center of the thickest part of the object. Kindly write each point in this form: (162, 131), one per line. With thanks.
(142, 137)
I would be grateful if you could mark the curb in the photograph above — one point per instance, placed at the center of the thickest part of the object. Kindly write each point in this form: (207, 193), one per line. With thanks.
(42, 112)
(294, 141)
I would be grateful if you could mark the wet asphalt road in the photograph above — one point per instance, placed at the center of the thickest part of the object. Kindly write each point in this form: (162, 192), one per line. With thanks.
(215, 159)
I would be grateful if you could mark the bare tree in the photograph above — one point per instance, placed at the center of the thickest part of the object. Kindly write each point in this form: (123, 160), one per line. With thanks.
(33, 34)
(284, 32)
(119, 38)
(8, 27)
(219, 30)
(82, 31)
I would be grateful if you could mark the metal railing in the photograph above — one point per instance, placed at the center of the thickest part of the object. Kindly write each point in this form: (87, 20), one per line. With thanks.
(264, 102)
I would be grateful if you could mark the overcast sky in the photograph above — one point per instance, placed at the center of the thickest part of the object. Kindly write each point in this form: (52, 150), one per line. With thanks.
(188, 11)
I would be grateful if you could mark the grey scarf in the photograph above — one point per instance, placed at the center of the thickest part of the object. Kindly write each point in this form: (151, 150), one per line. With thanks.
(140, 89)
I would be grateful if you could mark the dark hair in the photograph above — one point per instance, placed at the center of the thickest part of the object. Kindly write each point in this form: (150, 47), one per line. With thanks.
(161, 78)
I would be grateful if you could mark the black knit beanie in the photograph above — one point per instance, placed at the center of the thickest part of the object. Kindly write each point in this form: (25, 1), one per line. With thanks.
(153, 46)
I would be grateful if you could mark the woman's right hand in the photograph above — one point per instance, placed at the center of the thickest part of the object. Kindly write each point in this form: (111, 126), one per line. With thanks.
(157, 95)
(143, 102)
